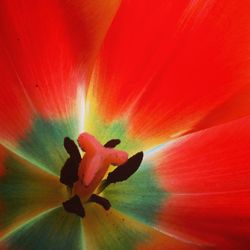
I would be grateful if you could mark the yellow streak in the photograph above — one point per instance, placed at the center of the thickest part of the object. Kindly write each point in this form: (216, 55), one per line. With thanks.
(81, 108)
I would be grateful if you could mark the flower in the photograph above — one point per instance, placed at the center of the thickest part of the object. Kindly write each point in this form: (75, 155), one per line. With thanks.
(169, 78)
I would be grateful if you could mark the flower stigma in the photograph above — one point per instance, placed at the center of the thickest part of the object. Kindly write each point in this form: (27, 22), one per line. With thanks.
(84, 176)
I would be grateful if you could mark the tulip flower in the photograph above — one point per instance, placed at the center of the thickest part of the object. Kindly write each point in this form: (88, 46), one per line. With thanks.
(166, 81)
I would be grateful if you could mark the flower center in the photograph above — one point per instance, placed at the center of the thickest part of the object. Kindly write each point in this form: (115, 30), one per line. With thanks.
(84, 176)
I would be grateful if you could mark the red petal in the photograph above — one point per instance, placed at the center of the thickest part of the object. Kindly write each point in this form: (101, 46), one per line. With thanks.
(170, 63)
(221, 219)
(213, 160)
(47, 49)
(208, 173)
(15, 112)
(236, 106)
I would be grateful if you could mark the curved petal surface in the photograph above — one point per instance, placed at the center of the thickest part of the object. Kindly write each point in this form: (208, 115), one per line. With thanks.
(207, 175)
(195, 187)
(47, 50)
(171, 65)
(42, 144)
(140, 197)
(54, 229)
(25, 191)
(114, 230)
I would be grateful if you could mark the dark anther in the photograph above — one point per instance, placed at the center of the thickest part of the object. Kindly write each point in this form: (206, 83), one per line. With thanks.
(69, 175)
(112, 143)
(123, 172)
(74, 206)
(100, 200)
(69, 172)
(72, 149)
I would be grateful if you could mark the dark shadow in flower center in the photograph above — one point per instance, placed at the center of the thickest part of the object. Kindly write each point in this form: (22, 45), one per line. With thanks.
(69, 175)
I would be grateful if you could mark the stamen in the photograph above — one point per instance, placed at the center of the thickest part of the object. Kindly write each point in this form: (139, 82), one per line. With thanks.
(72, 149)
(100, 200)
(69, 172)
(82, 176)
(112, 143)
(74, 206)
(122, 172)
(96, 160)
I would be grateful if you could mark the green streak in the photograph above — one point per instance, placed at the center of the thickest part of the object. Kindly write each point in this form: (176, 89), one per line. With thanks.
(26, 223)
(140, 196)
(43, 144)
(27, 158)
(110, 230)
(19, 190)
(53, 230)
